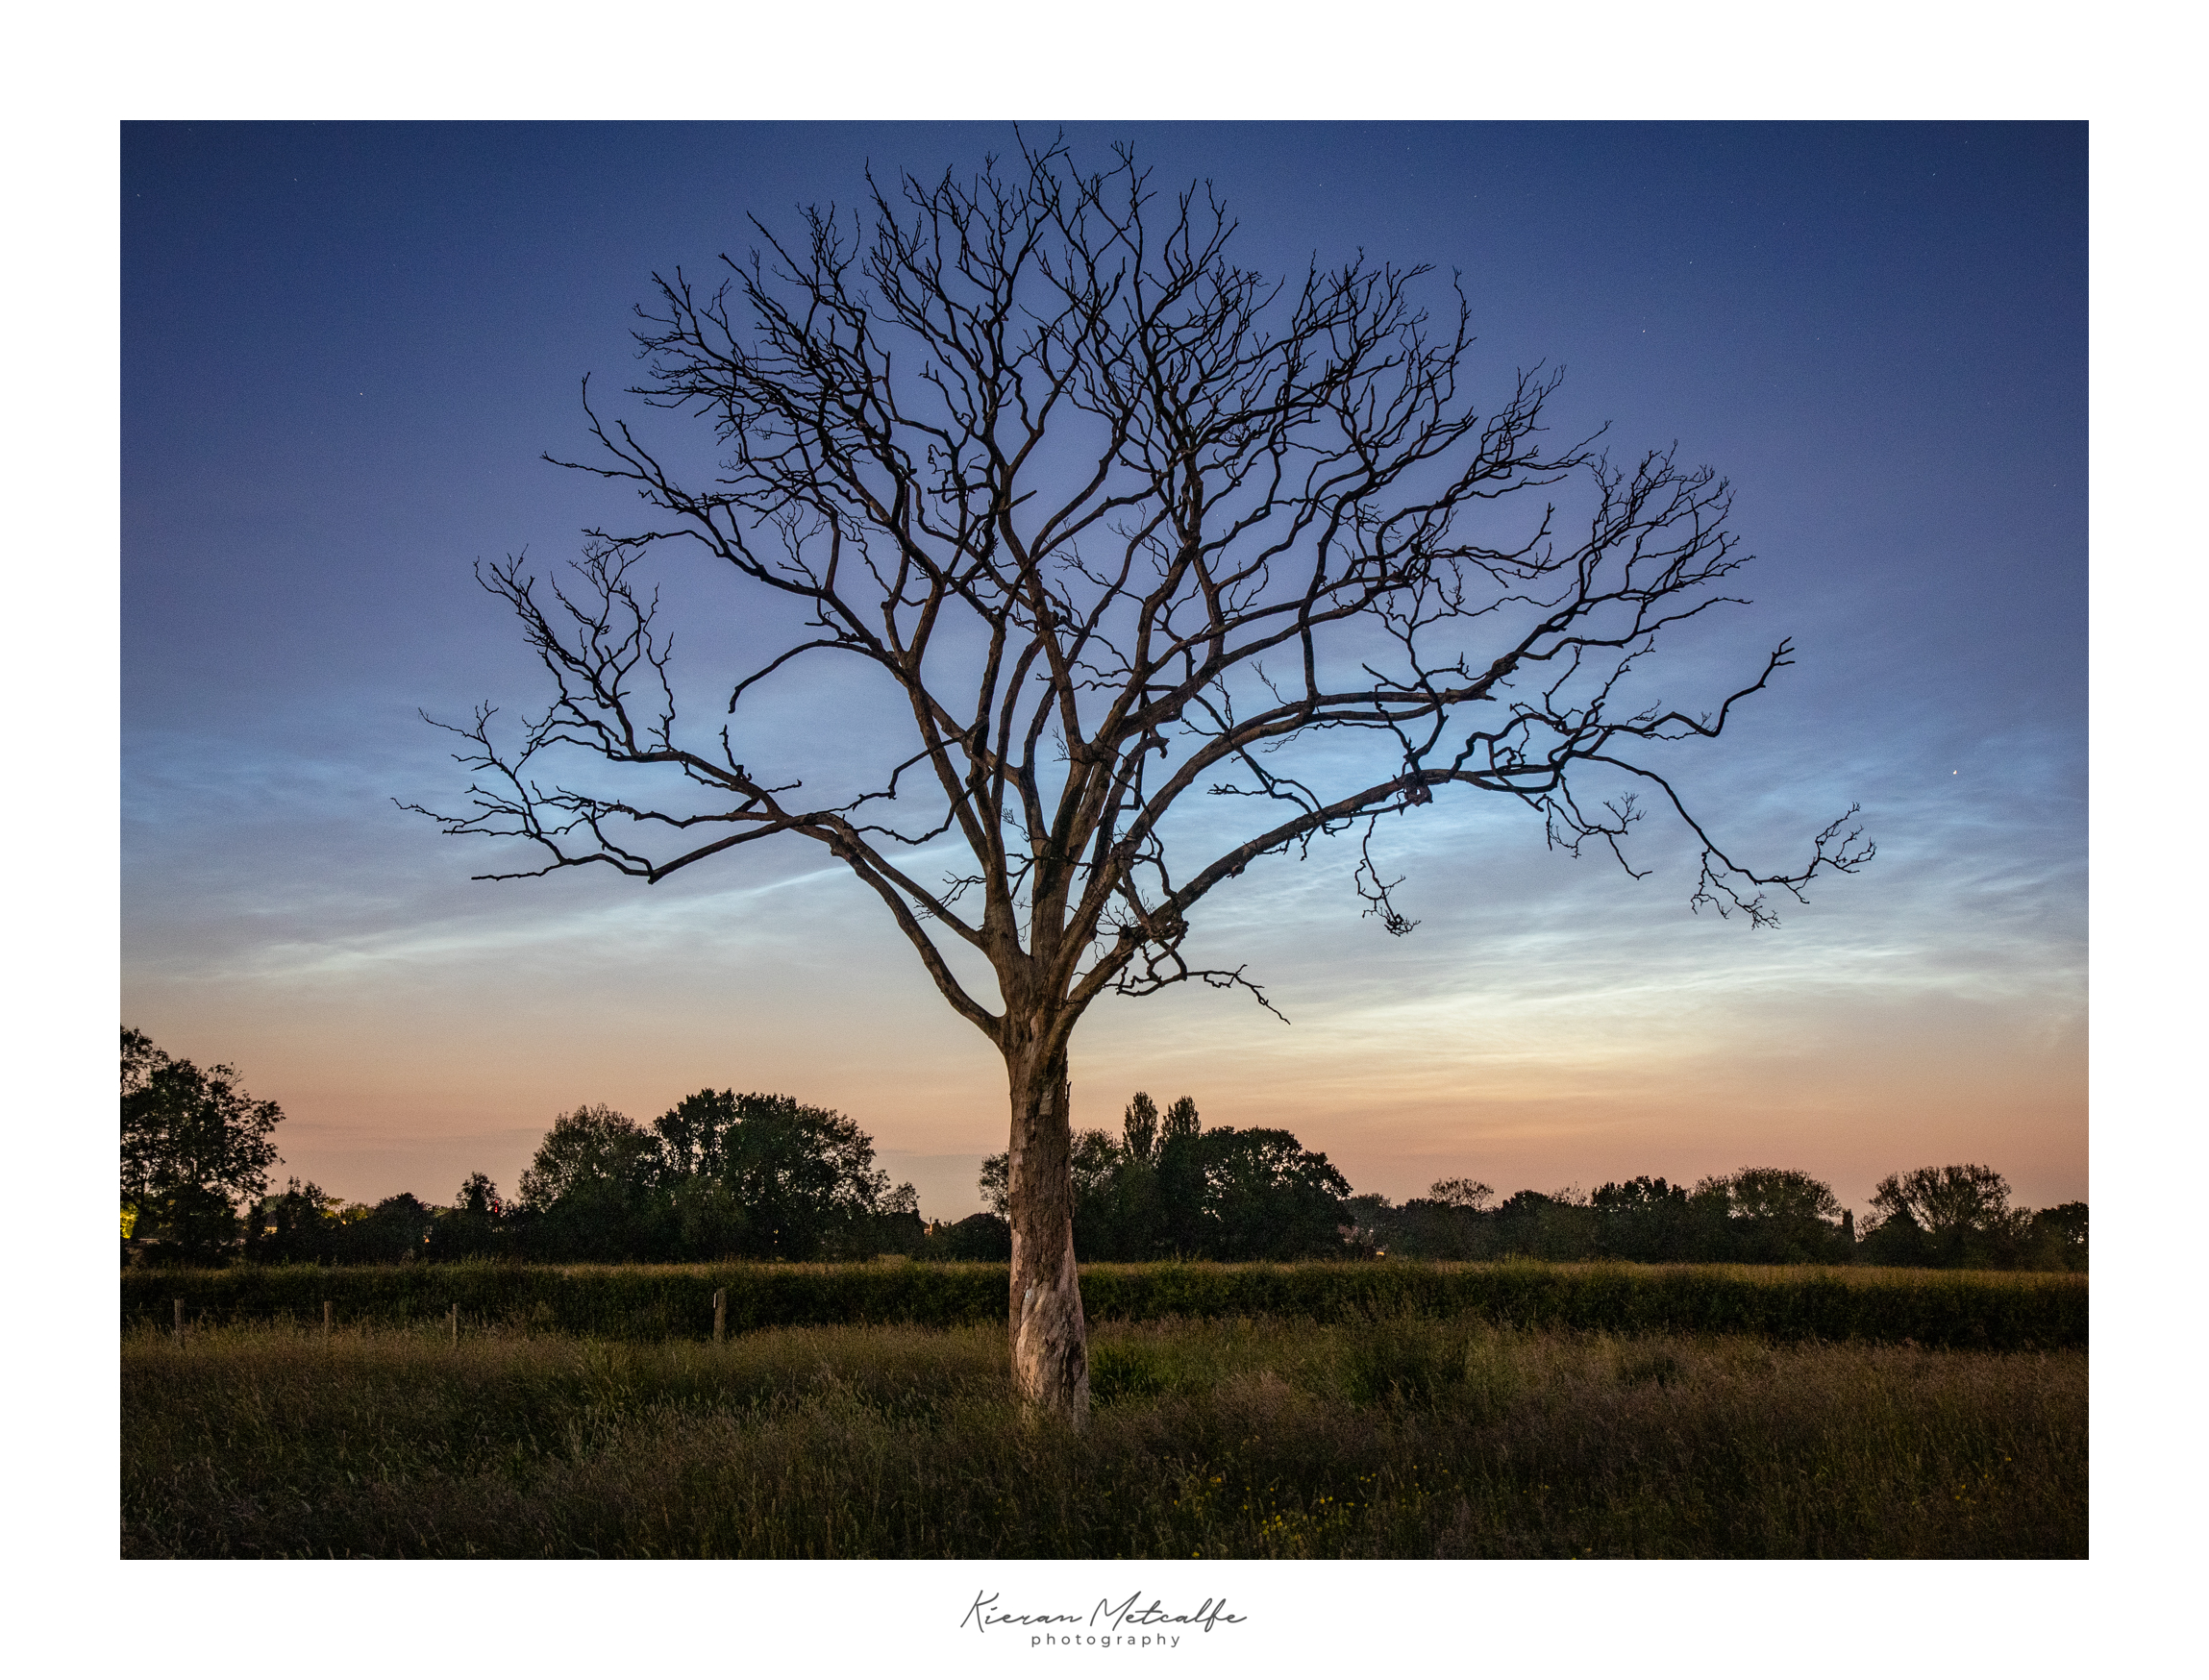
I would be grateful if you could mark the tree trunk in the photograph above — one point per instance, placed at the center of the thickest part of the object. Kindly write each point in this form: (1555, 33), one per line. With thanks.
(1050, 1343)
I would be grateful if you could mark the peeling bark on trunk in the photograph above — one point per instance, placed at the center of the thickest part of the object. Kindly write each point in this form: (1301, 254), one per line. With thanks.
(1050, 1341)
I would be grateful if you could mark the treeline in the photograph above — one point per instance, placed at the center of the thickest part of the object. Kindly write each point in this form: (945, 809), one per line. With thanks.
(757, 1176)
(1166, 1188)
(717, 1176)
(1955, 1215)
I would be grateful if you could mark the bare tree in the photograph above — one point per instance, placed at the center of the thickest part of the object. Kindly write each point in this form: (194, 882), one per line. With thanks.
(1116, 520)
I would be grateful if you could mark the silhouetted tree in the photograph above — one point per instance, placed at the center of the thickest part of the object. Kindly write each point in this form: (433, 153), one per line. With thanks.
(1781, 1217)
(1139, 1127)
(397, 1229)
(2056, 1238)
(1266, 1197)
(894, 1226)
(1558, 1226)
(719, 1175)
(1180, 1183)
(803, 1177)
(295, 1227)
(1645, 1219)
(1469, 1192)
(590, 1192)
(1368, 1218)
(475, 1224)
(1451, 1222)
(979, 1236)
(1105, 520)
(1957, 1215)
(194, 1148)
(1893, 1238)
(1180, 1120)
(1224, 1195)
(1103, 1170)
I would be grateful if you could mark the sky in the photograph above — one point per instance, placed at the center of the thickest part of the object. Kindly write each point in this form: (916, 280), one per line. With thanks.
(346, 347)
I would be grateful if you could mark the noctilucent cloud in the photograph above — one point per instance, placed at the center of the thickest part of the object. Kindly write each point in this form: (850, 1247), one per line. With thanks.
(346, 348)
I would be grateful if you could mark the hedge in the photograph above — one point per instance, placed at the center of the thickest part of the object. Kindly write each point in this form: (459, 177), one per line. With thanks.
(1937, 1309)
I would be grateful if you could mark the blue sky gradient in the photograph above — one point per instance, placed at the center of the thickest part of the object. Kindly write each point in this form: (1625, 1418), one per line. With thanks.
(346, 346)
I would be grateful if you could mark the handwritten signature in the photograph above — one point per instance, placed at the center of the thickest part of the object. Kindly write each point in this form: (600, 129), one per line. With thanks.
(1130, 1612)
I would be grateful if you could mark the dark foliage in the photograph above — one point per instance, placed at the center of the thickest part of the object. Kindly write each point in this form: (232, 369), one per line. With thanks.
(2057, 1238)
(1139, 1127)
(1934, 1309)
(1960, 1215)
(722, 1176)
(718, 1176)
(396, 1229)
(1781, 1216)
(300, 1227)
(194, 1147)
(1759, 1215)
(590, 1192)
(1647, 1219)
(1166, 1188)
(470, 1228)
(981, 1236)
(305, 1226)
(1262, 1197)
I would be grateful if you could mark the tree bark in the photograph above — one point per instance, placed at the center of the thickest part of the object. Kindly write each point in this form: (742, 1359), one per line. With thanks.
(1050, 1341)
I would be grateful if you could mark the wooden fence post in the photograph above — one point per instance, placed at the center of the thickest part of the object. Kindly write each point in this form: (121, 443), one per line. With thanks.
(326, 1324)
(179, 1321)
(455, 1318)
(720, 1315)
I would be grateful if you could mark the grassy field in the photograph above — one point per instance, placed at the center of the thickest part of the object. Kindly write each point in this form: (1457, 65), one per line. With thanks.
(1409, 1437)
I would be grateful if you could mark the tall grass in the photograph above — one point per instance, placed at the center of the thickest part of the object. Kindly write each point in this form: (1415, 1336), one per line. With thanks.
(1258, 1438)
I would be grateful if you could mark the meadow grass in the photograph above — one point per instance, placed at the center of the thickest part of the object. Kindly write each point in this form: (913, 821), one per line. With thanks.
(1252, 1438)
